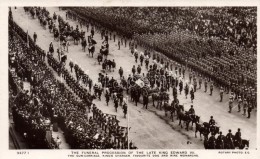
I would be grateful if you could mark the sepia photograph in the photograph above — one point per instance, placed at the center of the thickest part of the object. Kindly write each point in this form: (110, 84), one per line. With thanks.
(132, 77)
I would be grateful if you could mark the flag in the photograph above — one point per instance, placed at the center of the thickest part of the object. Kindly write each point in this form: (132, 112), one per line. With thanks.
(140, 83)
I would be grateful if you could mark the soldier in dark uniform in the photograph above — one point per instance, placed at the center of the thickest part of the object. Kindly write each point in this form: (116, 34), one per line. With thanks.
(116, 103)
(146, 63)
(206, 85)
(114, 37)
(220, 140)
(240, 103)
(192, 95)
(180, 86)
(211, 121)
(211, 88)
(245, 106)
(118, 44)
(200, 82)
(125, 109)
(195, 84)
(139, 69)
(249, 109)
(229, 138)
(174, 92)
(230, 104)
(121, 72)
(191, 110)
(34, 37)
(71, 65)
(237, 137)
(145, 101)
(133, 70)
(136, 56)
(212, 141)
(141, 59)
(221, 93)
(186, 89)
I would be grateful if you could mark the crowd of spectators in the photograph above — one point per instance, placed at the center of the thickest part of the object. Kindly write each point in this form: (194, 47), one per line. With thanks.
(50, 101)
(218, 42)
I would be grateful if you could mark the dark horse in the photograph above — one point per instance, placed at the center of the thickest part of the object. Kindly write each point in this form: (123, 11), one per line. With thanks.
(184, 117)
(202, 129)
(170, 108)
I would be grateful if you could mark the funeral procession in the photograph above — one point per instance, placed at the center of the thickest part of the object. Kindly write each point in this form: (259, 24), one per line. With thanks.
(132, 77)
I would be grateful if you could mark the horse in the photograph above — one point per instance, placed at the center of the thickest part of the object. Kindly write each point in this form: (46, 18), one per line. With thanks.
(203, 130)
(244, 143)
(220, 144)
(184, 117)
(170, 108)
(194, 119)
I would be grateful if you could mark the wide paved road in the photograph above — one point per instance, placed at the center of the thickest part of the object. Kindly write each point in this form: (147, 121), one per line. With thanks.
(149, 128)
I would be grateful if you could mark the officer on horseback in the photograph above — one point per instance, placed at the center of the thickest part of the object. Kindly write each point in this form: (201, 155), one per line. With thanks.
(220, 140)
(237, 137)
(211, 121)
(229, 138)
(191, 110)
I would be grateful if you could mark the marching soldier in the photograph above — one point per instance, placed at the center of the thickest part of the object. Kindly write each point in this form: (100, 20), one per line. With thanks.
(125, 109)
(206, 85)
(192, 95)
(136, 56)
(245, 105)
(195, 84)
(133, 70)
(211, 88)
(34, 37)
(200, 82)
(139, 69)
(230, 104)
(249, 109)
(141, 59)
(116, 103)
(121, 72)
(118, 44)
(221, 93)
(145, 101)
(71, 65)
(107, 95)
(240, 102)
(146, 63)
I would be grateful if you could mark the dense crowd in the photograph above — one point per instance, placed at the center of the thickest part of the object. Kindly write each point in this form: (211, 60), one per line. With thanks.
(236, 24)
(217, 43)
(52, 100)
